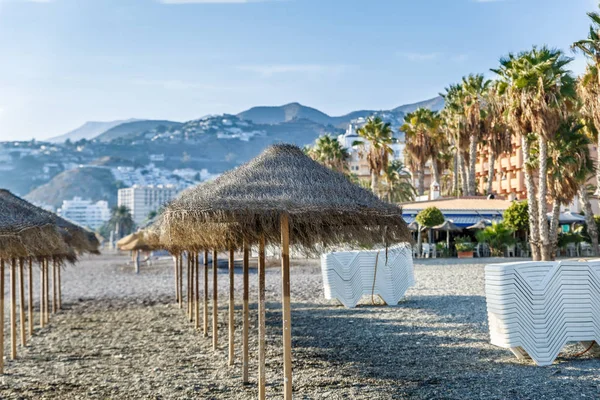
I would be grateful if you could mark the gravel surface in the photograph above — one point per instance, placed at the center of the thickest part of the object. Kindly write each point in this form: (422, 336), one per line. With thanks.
(120, 336)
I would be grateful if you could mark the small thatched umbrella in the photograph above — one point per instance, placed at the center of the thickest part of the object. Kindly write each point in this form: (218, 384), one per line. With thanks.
(447, 226)
(24, 233)
(480, 225)
(285, 197)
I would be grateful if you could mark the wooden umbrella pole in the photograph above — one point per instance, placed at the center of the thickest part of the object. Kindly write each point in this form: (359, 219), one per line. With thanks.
(261, 320)
(205, 305)
(189, 286)
(2, 316)
(176, 275)
(181, 280)
(231, 307)
(41, 264)
(286, 307)
(54, 291)
(197, 291)
(30, 302)
(215, 327)
(47, 289)
(58, 273)
(192, 296)
(22, 302)
(13, 312)
(246, 315)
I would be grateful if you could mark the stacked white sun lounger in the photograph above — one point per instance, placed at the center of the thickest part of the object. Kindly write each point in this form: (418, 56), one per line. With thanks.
(536, 308)
(347, 276)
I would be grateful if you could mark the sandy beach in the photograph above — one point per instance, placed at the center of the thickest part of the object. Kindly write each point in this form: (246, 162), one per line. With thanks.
(121, 336)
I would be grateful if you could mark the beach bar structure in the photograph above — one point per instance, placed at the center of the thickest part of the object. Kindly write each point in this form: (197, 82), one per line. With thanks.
(282, 197)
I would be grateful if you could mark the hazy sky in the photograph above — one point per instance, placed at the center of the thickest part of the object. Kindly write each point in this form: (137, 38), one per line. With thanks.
(64, 62)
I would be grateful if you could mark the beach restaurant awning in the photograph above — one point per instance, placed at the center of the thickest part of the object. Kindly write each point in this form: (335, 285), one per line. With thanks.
(461, 221)
(569, 218)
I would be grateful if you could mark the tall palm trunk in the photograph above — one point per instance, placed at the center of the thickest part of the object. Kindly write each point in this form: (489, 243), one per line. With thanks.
(435, 171)
(455, 176)
(534, 231)
(491, 172)
(472, 164)
(542, 192)
(584, 198)
(421, 183)
(554, 222)
(374, 182)
(463, 174)
(598, 166)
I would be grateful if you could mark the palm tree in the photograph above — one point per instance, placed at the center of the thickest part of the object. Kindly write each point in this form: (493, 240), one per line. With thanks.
(588, 90)
(454, 122)
(569, 166)
(379, 137)
(121, 221)
(329, 152)
(474, 91)
(590, 46)
(539, 91)
(424, 141)
(589, 83)
(397, 183)
(498, 136)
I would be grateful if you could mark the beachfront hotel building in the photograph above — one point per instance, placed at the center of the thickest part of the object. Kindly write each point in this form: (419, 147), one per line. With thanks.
(509, 176)
(141, 200)
(85, 212)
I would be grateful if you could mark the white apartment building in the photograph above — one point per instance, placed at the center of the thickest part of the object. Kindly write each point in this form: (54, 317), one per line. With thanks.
(85, 212)
(141, 200)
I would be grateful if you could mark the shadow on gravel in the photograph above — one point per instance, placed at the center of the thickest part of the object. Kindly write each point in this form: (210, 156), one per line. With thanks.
(420, 344)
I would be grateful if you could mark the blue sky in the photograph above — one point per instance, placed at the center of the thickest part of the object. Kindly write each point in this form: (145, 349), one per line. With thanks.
(65, 62)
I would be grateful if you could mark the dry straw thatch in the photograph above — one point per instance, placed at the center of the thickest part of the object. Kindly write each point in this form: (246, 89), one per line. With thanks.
(324, 207)
(79, 239)
(26, 232)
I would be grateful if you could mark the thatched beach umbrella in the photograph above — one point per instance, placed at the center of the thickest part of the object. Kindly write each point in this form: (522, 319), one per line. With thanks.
(447, 226)
(25, 232)
(285, 197)
(480, 225)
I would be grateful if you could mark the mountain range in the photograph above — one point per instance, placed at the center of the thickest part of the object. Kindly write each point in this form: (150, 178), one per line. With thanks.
(261, 115)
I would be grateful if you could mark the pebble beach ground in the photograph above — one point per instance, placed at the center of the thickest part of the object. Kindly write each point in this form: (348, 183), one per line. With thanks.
(121, 336)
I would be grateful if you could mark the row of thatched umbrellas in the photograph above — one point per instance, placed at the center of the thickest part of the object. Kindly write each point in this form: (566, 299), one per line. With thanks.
(30, 234)
(284, 198)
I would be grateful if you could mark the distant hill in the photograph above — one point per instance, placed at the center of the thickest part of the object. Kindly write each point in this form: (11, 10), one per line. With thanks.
(289, 112)
(85, 182)
(285, 113)
(88, 131)
(110, 161)
(435, 104)
(129, 129)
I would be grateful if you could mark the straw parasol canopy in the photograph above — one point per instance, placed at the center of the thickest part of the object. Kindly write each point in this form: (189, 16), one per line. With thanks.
(324, 207)
(447, 226)
(138, 243)
(480, 225)
(74, 235)
(26, 232)
(126, 239)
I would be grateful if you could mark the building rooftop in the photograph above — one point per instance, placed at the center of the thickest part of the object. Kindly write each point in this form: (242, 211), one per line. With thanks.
(459, 204)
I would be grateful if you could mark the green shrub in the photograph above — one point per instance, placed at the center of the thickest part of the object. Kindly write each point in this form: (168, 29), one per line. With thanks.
(516, 216)
(464, 243)
(429, 217)
(497, 236)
